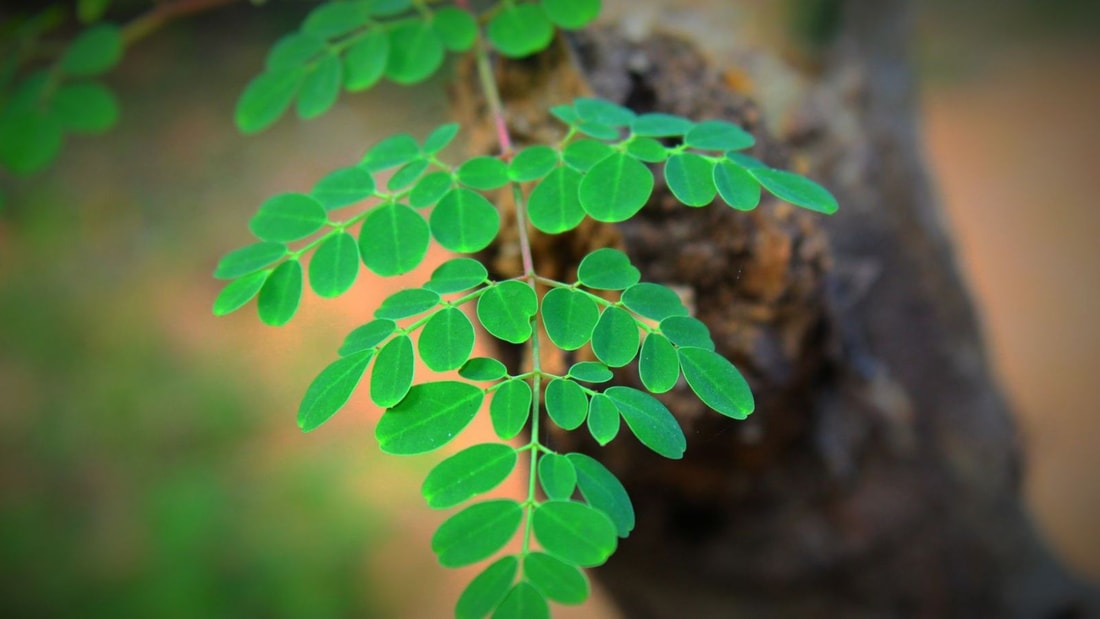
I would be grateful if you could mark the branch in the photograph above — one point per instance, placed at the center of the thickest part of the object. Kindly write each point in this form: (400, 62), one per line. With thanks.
(159, 16)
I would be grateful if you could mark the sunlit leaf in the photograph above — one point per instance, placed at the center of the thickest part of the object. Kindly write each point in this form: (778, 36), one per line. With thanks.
(716, 381)
(690, 177)
(650, 421)
(334, 265)
(392, 376)
(249, 259)
(456, 28)
(429, 417)
(647, 149)
(524, 601)
(659, 125)
(238, 292)
(520, 30)
(483, 368)
(343, 187)
(446, 340)
(288, 217)
(468, 473)
(415, 52)
(281, 294)
(483, 173)
(332, 389)
(393, 240)
(532, 163)
(442, 135)
(687, 331)
(407, 302)
(365, 60)
(603, 111)
(590, 372)
(430, 188)
(476, 532)
(736, 186)
(396, 150)
(582, 155)
(718, 135)
(574, 532)
(407, 174)
(367, 336)
(553, 205)
(456, 275)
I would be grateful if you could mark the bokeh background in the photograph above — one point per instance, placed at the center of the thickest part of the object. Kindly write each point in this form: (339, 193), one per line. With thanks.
(150, 464)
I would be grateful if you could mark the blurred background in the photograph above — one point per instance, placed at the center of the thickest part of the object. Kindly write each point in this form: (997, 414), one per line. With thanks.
(150, 463)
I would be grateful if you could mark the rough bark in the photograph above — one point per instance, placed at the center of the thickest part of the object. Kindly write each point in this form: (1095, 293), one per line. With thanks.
(879, 475)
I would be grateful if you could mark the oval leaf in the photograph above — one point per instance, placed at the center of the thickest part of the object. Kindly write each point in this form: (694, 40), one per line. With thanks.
(483, 368)
(429, 417)
(556, 579)
(334, 265)
(393, 240)
(603, 491)
(523, 602)
(690, 177)
(281, 294)
(687, 331)
(408, 302)
(518, 31)
(343, 187)
(566, 403)
(574, 532)
(658, 365)
(265, 98)
(415, 52)
(505, 310)
(456, 275)
(238, 292)
(569, 317)
(446, 340)
(717, 383)
(553, 205)
(603, 419)
(476, 532)
(94, 51)
(457, 29)
(365, 60)
(607, 269)
(488, 589)
(797, 190)
(532, 163)
(650, 421)
(288, 217)
(331, 390)
(393, 372)
(718, 135)
(249, 259)
(590, 372)
(510, 408)
(557, 476)
(320, 87)
(483, 173)
(654, 301)
(616, 188)
(468, 473)
(367, 336)
(464, 221)
(615, 339)
(736, 186)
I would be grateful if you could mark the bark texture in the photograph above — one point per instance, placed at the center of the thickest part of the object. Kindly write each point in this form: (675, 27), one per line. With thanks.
(879, 475)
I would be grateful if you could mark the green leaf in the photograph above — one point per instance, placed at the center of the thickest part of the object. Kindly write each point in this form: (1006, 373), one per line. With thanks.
(94, 51)
(598, 131)
(736, 186)
(510, 408)
(429, 417)
(718, 135)
(616, 188)
(394, 151)
(488, 589)
(343, 187)
(87, 107)
(744, 160)
(717, 383)
(408, 302)
(468, 473)
(407, 174)
(687, 331)
(574, 532)
(565, 113)
(483, 369)
(569, 317)
(582, 155)
(392, 376)
(798, 190)
(691, 178)
(29, 140)
(555, 578)
(438, 139)
(653, 301)
(265, 99)
(456, 28)
(607, 269)
(288, 217)
(238, 292)
(483, 173)
(523, 602)
(320, 87)
(281, 293)
(557, 476)
(658, 366)
(386, 8)
(603, 491)
(603, 419)
(415, 52)
(293, 51)
(332, 389)
(650, 421)
(571, 14)
(249, 259)
(430, 188)
(447, 340)
(553, 205)
(520, 30)
(647, 149)
(532, 163)
(89, 11)
(464, 221)
(658, 125)
(393, 240)
(615, 339)
(590, 372)
(334, 265)
(456, 275)
(365, 61)
(334, 19)
(566, 403)
(366, 337)
(602, 111)
(476, 532)
(505, 310)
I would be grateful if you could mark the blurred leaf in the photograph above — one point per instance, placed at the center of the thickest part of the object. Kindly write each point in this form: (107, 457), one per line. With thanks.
(281, 294)
(510, 408)
(334, 19)
(468, 473)
(446, 340)
(574, 532)
(430, 189)
(29, 140)
(488, 589)
(520, 30)
(393, 240)
(483, 173)
(602, 111)
(94, 51)
(293, 51)
(650, 421)
(365, 61)
(464, 221)
(718, 135)
(557, 476)
(396, 150)
(88, 107)
(569, 317)
(505, 310)
(238, 292)
(582, 155)
(288, 217)
(332, 389)
(603, 491)
(334, 266)
(386, 8)
(571, 14)
(456, 28)
(439, 138)
(647, 149)
(88, 11)
(391, 378)
(429, 417)
(407, 174)
(616, 188)
(556, 579)
(660, 125)
(532, 163)
(615, 339)
(249, 259)
(716, 381)
(265, 99)
(343, 187)
(320, 87)
(415, 52)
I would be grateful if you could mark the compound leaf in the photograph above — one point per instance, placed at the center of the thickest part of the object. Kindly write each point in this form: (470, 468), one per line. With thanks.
(569, 317)
(365, 61)
(483, 368)
(736, 186)
(690, 177)
(288, 217)
(476, 532)
(281, 294)
(566, 403)
(553, 205)
(367, 336)
(603, 491)
(520, 30)
(797, 190)
(249, 259)
(510, 408)
(408, 302)
(653, 301)
(94, 51)
(238, 292)
(716, 381)
(607, 269)
(574, 532)
(343, 187)
(532, 163)
(468, 473)
(415, 52)
(658, 365)
(557, 476)
(464, 221)
(556, 579)
(524, 601)
(456, 275)
(446, 340)
(616, 188)
(393, 240)
(392, 376)
(603, 419)
(650, 421)
(615, 339)
(505, 310)
(488, 589)
(334, 265)
(718, 135)
(428, 417)
(332, 389)
(483, 173)
(265, 98)
(456, 28)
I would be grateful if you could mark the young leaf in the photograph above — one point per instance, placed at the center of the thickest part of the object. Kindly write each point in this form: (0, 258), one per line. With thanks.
(87, 107)
(393, 240)
(408, 302)
(520, 30)
(556, 579)
(566, 403)
(488, 589)
(798, 190)
(607, 269)
(571, 14)
(446, 340)
(94, 51)
(456, 28)
(456, 275)
(334, 19)
(658, 125)
(615, 339)
(320, 87)
(391, 378)
(616, 188)
(439, 138)
(569, 317)
(483, 173)
(736, 186)
(343, 187)
(464, 221)
(367, 336)
(332, 389)
(647, 150)
(505, 310)
(603, 419)
(691, 178)
(265, 99)
(532, 163)
(334, 265)
(603, 491)
(430, 188)
(365, 60)
(415, 52)
(476, 532)
(553, 205)
(718, 135)
(717, 383)
(288, 217)
(603, 112)
(574, 532)
(658, 365)
(590, 372)
(557, 476)
(407, 174)
(429, 417)
(396, 150)
(650, 421)
(653, 301)
(238, 292)
(468, 473)
(687, 331)
(281, 293)
(482, 369)
(582, 155)
(523, 602)
(249, 259)
(293, 51)
(510, 408)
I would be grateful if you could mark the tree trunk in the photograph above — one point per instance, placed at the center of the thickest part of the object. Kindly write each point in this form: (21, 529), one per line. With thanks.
(879, 475)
